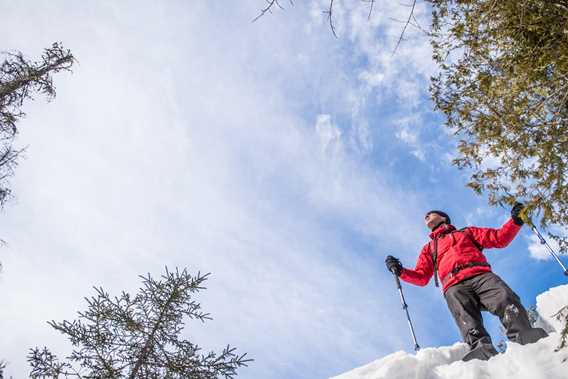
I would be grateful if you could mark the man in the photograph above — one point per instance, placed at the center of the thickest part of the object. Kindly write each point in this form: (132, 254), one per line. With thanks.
(469, 285)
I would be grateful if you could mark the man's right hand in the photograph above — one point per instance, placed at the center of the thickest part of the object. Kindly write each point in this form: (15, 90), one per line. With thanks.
(393, 265)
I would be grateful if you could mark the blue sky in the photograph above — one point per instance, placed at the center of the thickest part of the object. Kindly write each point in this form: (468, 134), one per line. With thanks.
(284, 161)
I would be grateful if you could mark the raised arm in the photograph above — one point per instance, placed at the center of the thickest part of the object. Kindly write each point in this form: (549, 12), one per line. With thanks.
(490, 238)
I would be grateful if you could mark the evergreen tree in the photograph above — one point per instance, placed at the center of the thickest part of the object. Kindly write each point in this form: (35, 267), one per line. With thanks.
(20, 79)
(503, 86)
(138, 336)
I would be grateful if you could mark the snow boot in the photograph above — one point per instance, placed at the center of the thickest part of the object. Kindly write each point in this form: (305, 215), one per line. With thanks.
(482, 351)
(531, 335)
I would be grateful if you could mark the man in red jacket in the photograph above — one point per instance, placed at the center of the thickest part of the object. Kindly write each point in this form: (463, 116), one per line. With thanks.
(456, 258)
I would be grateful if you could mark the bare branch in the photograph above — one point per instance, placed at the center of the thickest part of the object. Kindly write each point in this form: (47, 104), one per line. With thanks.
(329, 14)
(371, 5)
(405, 26)
(268, 9)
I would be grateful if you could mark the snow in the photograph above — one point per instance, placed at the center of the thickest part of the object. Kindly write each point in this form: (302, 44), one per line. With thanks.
(550, 303)
(535, 361)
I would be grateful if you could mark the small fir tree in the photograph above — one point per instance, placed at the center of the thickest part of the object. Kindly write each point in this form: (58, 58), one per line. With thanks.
(138, 336)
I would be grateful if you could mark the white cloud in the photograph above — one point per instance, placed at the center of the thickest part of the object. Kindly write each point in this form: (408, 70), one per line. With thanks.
(402, 72)
(482, 215)
(538, 250)
(407, 136)
(362, 137)
(419, 154)
(329, 135)
(387, 80)
(408, 132)
(373, 79)
(180, 140)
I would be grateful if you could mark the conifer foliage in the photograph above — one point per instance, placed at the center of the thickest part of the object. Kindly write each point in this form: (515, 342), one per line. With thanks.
(20, 79)
(138, 336)
(503, 86)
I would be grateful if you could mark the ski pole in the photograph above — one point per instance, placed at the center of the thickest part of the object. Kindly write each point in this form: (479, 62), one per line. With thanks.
(527, 220)
(405, 307)
(544, 242)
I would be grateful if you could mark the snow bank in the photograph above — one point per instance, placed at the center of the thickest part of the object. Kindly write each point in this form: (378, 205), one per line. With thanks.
(536, 361)
(549, 303)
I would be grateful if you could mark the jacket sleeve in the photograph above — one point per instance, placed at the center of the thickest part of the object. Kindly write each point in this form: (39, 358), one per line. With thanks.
(489, 237)
(421, 275)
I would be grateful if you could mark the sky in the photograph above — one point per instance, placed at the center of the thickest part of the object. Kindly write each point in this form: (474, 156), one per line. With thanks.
(283, 160)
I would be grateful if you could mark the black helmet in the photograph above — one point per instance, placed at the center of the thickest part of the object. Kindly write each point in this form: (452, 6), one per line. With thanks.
(440, 213)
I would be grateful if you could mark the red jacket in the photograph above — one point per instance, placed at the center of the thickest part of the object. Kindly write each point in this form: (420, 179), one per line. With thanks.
(456, 249)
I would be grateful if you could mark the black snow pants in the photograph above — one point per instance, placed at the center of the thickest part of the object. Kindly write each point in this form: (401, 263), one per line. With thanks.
(486, 292)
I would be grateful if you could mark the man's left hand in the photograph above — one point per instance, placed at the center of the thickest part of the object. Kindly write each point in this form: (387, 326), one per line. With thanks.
(516, 213)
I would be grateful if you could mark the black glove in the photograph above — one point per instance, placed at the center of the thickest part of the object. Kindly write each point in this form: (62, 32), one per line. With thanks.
(394, 265)
(515, 213)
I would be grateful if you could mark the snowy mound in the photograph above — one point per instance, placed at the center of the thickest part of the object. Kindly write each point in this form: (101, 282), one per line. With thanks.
(535, 361)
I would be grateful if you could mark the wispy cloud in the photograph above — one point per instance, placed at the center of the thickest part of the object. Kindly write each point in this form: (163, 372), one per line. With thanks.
(540, 251)
(189, 137)
(395, 82)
